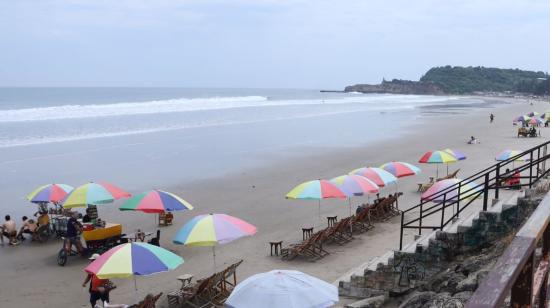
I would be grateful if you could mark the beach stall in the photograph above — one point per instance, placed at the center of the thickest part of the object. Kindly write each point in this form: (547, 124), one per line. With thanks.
(42, 196)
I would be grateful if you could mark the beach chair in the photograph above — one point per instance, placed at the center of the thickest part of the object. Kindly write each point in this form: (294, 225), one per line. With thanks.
(149, 301)
(422, 187)
(189, 296)
(165, 219)
(382, 210)
(395, 203)
(361, 222)
(340, 233)
(449, 176)
(311, 248)
(227, 283)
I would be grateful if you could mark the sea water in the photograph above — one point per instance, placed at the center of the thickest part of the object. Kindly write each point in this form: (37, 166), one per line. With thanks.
(143, 138)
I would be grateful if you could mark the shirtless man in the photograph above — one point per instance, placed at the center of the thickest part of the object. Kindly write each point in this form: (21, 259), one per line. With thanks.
(29, 226)
(9, 230)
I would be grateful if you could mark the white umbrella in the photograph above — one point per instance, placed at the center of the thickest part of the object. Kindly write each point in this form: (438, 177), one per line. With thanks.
(283, 288)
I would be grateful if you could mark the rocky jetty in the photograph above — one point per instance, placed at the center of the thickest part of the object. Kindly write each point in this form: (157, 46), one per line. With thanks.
(397, 86)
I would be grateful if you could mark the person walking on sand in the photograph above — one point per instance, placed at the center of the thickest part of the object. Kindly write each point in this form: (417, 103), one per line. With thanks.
(492, 117)
(98, 288)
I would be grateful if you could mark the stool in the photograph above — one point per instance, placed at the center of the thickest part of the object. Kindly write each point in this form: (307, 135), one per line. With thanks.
(277, 245)
(306, 233)
(331, 220)
(185, 280)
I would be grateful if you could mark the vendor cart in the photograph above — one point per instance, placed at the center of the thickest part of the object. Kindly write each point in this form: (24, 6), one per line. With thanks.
(97, 240)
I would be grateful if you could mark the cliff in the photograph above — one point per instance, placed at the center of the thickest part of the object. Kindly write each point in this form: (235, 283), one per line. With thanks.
(464, 80)
(397, 87)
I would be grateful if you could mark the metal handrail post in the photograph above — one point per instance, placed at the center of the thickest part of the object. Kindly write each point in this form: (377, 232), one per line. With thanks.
(458, 200)
(497, 180)
(486, 192)
(401, 233)
(443, 211)
(420, 221)
(531, 170)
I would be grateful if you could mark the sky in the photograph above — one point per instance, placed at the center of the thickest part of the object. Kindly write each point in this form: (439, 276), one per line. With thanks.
(314, 44)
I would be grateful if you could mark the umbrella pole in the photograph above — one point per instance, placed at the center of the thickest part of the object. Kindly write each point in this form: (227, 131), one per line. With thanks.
(447, 169)
(436, 171)
(135, 284)
(319, 207)
(349, 201)
(214, 257)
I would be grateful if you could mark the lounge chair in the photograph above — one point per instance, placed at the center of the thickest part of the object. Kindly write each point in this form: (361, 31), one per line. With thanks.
(311, 248)
(208, 292)
(362, 222)
(449, 176)
(422, 187)
(340, 233)
(149, 301)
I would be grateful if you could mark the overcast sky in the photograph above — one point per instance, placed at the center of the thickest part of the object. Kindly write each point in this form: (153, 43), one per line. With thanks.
(262, 43)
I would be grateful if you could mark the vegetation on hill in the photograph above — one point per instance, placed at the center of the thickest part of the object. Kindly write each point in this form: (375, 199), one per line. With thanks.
(463, 80)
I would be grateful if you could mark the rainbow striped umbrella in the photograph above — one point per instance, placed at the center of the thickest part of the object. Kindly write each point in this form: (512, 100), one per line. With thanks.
(49, 193)
(458, 155)
(533, 114)
(400, 169)
(437, 157)
(94, 193)
(317, 189)
(468, 190)
(212, 229)
(379, 176)
(507, 154)
(155, 201)
(133, 259)
(545, 115)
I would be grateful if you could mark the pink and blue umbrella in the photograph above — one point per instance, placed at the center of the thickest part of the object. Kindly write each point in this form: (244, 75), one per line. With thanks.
(468, 191)
(379, 176)
(355, 185)
(49, 193)
(507, 154)
(400, 169)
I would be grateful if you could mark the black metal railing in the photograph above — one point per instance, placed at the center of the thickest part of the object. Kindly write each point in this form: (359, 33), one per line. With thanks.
(463, 193)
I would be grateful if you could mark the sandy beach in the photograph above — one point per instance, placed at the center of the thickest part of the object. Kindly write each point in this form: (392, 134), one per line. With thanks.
(30, 276)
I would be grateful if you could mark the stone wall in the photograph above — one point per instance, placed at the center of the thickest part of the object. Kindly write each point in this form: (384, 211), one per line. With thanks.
(434, 268)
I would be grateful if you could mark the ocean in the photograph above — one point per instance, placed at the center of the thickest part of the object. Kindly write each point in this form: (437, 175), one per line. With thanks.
(144, 138)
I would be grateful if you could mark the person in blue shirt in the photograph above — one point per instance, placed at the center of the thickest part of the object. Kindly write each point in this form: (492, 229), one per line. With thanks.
(74, 228)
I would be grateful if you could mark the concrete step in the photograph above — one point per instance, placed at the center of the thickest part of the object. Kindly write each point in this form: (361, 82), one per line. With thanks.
(373, 264)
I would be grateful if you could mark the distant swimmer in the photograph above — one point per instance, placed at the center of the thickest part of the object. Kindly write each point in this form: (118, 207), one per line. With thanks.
(491, 117)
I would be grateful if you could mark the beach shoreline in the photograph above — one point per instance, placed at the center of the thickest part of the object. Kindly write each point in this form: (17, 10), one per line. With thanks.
(257, 196)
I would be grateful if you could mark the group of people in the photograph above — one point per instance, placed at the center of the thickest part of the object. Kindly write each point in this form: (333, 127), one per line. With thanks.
(29, 226)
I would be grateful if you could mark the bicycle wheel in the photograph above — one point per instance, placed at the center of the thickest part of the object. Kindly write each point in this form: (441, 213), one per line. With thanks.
(62, 257)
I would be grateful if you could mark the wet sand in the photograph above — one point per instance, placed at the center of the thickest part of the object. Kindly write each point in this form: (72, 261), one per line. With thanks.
(30, 276)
